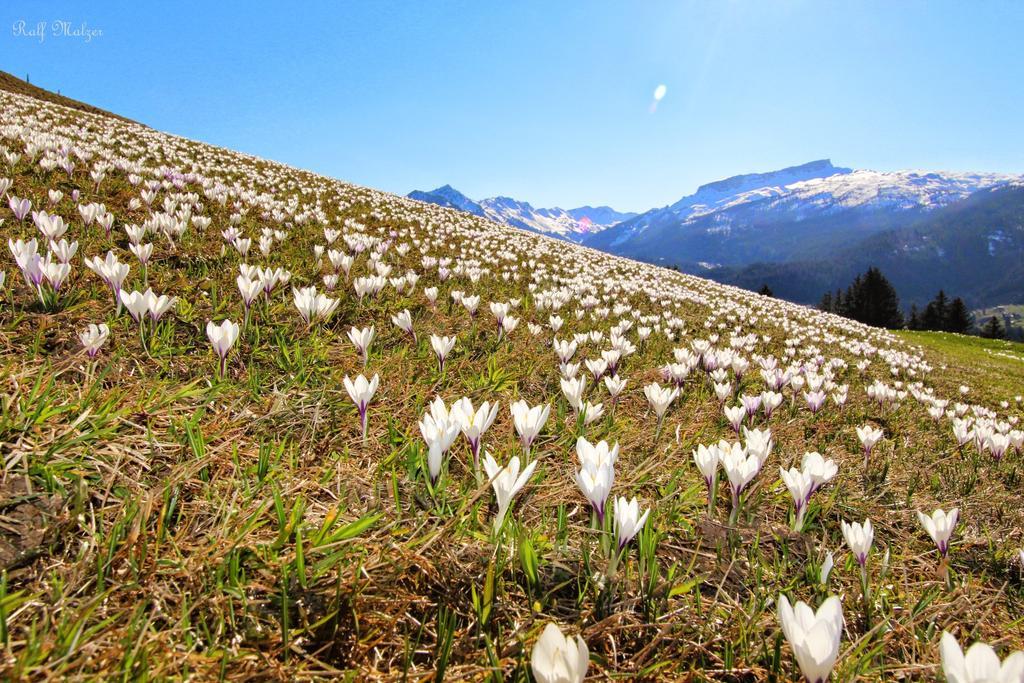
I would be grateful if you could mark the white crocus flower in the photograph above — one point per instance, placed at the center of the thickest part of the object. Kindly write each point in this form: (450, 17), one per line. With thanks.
(595, 482)
(65, 251)
(529, 421)
(596, 367)
(143, 252)
(628, 520)
(558, 659)
(799, 485)
(470, 303)
(439, 432)
(93, 337)
(596, 454)
(442, 347)
(868, 436)
(249, 289)
(769, 402)
(940, 526)
(591, 412)
(135, 303)
(706, 458)
(615, 386)
(597, 472)
(815, 400)
(361, 392)
(813, 636)
(660, 399)
(859, 538)
(312, 307)
(499, 310)
(403, 321)
(573, 390)
(758, 442)
(507, 481)
(158, 305)
(222, 337)
(741, 469)
(735, 415)
(474, 423)
(361, 339)
(821, 470)
(979, 664)
(826, 568)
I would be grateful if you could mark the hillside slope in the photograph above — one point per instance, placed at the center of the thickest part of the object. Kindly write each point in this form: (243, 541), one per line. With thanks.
(169, 515)
(13, 84)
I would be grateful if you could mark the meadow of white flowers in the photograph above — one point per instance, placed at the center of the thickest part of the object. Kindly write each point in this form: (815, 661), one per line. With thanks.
(183, 264)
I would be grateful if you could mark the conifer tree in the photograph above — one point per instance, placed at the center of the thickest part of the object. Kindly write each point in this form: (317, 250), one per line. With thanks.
(914, 321)
(959, 319)
(826, 302)
(936, 312)
(870, 299)
(993, 329)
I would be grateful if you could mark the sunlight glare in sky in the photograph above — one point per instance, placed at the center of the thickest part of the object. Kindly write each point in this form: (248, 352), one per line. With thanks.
(659, 93)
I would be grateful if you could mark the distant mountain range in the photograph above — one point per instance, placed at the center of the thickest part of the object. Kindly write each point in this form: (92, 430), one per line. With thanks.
(572, 224)
(807, 229)
(972, 248)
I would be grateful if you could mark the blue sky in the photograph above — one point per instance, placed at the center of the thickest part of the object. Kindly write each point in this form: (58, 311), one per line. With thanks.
(550, 102)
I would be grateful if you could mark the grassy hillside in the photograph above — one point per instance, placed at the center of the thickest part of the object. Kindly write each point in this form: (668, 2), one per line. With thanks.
(163, 518)
(993, 366)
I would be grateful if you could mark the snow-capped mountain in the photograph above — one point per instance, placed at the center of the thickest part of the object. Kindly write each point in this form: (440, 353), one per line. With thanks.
(449, 197)
(800, 211)
(572, 224)
(720, 193)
